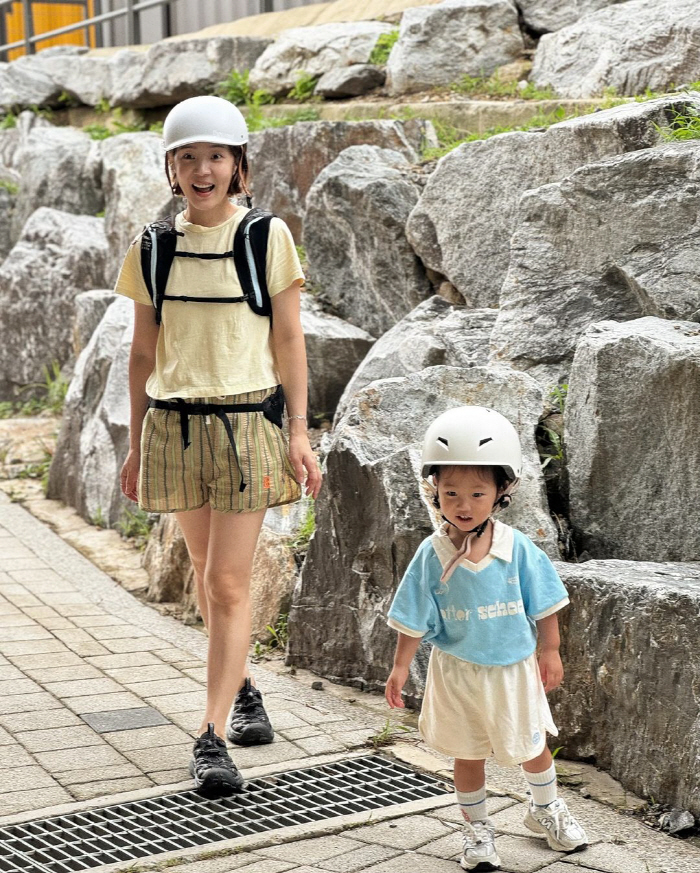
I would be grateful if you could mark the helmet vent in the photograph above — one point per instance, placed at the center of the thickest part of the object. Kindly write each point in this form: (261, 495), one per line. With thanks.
(444, 442)
(485, 440)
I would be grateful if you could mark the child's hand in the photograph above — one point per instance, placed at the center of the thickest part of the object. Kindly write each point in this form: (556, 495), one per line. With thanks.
(551, 669)
(394, 684)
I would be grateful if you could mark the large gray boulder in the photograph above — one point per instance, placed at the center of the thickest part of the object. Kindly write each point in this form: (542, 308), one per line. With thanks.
(25, 83)
(9, 184)
(435, 332)
(355, 239)
(334, 349)
(632, 423)
(630, 47)
(90, 307)
(350, 81)
(371, 517)
(314, 50)
(614, 240)
(463, 222)
(630, 653)
(440, 44)
(58, 168)
(94, 437)
(135, 187)
(175, 69)
(57, 256)
(285, 161)
(83, 78)
(544, 16)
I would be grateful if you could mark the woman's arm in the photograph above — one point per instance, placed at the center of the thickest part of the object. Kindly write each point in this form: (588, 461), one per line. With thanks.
(141, 362)
(290, 355)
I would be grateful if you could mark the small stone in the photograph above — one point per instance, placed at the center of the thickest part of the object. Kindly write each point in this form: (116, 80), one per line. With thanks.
(317, 685)
(677, 820)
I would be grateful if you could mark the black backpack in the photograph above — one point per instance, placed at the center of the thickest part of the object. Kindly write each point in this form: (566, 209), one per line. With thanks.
(249, 253)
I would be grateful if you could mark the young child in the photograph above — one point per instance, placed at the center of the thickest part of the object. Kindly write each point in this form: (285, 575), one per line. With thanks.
(206, 440)
(485, 596)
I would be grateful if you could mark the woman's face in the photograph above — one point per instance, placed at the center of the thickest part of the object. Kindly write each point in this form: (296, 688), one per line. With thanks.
(203, 172)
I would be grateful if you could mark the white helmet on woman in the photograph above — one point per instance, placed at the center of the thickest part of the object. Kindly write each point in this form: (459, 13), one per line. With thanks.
(204, 119)
(472, 435)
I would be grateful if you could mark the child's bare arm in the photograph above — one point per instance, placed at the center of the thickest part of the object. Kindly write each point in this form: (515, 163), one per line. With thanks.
(406, 648)
(551, 669)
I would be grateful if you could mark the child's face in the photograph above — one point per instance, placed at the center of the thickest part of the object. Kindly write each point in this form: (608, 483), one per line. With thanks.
(466, 495)
(204, 173)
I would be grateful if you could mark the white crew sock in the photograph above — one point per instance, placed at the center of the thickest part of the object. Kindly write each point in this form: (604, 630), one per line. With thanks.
(543, 786)
(472, 804)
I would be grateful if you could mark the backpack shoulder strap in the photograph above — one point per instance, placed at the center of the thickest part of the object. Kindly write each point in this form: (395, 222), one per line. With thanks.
(158, 244)
(250, 258)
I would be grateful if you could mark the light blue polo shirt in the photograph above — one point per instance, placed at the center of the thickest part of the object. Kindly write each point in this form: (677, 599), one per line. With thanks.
(486, 612)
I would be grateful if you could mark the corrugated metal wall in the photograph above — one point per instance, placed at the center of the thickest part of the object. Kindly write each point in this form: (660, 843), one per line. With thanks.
(187, 16)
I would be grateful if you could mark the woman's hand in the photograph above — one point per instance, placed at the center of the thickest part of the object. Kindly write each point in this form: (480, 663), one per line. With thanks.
(129, 478)
(394, 685)
(306, 469)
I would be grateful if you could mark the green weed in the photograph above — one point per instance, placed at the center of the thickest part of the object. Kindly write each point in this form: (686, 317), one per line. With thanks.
(257, 121)
(69, 101)
(102, 106)
(8, 121)
(300, 542)
(558, 395)
(301, 253)
(557, 446)
(303, 89)
(382, 47)
(38, 470)
(682, 126)
(388, 735)
(237, 90)
(135, 525)
(494, 86)
(54, 388)
(98, 131)
(279, 637)
(10, 187)
(98, 519)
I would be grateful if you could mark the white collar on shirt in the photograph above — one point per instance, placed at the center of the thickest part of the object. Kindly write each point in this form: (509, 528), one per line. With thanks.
(501, 545)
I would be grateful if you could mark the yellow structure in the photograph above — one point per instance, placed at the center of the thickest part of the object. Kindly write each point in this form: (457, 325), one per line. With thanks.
(48, 15)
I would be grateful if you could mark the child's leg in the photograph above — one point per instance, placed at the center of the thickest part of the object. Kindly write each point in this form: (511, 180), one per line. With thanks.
(541, 777)
(470, 789)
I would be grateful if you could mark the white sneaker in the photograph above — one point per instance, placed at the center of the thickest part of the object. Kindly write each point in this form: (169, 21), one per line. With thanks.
(563, 832)
(479, 848)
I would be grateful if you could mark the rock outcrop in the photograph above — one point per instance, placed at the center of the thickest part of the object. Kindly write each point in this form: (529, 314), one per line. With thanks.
(57, 256)
(285, 161)
(352, 81)
(355, 240)
(441, 44)
(90, 307)
(435, 332)
(632, 422)
(628, 46)
(545, 16)
(338, 619)
(462, 224)
(314, 51)
(615, 240)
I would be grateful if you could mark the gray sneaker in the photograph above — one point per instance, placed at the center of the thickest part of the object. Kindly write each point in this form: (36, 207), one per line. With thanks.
(563, 832)
(479, 847)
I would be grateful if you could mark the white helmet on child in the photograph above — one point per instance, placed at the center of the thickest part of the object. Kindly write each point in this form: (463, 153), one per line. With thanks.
(472, 435)
(204, 119)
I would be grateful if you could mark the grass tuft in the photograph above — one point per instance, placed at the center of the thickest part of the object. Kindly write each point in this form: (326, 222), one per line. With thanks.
(382, 47)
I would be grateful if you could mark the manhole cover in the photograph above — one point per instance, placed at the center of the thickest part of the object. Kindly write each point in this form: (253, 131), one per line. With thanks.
(128, 831)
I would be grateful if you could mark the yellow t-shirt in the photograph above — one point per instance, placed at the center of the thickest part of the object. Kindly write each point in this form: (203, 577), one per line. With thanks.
(211, 349)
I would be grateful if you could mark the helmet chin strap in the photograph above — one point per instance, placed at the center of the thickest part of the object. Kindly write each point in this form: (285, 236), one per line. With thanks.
(464, 550)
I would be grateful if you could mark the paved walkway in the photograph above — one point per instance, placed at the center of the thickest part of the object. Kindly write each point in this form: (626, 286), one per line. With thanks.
(99, 695)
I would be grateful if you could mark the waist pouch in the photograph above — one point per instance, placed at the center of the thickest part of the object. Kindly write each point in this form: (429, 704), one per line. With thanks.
(272, 408)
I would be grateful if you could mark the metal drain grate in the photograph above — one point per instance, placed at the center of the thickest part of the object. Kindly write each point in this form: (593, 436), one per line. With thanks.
(129, 831)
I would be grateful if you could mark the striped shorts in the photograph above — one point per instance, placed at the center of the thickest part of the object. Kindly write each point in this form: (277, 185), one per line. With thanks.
(174, 479)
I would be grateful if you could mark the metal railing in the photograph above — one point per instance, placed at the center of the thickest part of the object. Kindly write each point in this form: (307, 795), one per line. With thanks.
(130, 11)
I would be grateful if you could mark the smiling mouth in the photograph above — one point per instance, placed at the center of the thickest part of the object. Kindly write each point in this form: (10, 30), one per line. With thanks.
(464, 518)
(203, 189)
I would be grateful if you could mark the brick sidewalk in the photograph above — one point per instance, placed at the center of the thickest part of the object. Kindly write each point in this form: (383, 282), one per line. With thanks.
(100, 694)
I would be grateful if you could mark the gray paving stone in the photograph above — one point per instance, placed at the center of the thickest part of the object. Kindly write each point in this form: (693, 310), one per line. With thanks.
(274, 753)
(29, 721)
(10, 672)
(24, 779)
(314, 716)
(236, 862)
(41, 579)
(354, 739)
(41, 612)
(29, 661)
(285, 721)
(6, 738)
(81, 757)
(24, 632)
(15, 619)
(97, 620)
(103, 703)
(189, 721)
(13, 648)
(320, 745)
(409, 862)
(8, 608)
(608, 858)
(404, 833)
(131, 675)
(199, 674)
(27, 702)
(147, 738)
(59, 738)
(171, 654)
(35, 798)
(82, 687)
(23, 599)
(15, 549)
(88, 790)
(524, 854)
(168, 703)
(128, 659)
(510, 821)
(169, 777)
(46, 675)
(358, 859)
(189, 665)
(133, 644)
(162, 687)
(14, 756)
(308, 730)
(78, 606)
(68, 778)
(118, 631)
(125, 719)
(453, 814)
(163, 758)
(20, 686)
(84, 648)
(313, 850)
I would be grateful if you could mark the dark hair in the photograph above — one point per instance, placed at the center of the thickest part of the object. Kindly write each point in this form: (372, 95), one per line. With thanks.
(495, 473)
(238, 183)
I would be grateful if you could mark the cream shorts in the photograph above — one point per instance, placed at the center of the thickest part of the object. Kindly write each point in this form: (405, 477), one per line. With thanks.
(471, 711)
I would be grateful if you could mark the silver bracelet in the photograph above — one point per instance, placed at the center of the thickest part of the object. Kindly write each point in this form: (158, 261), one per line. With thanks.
(302, 417)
